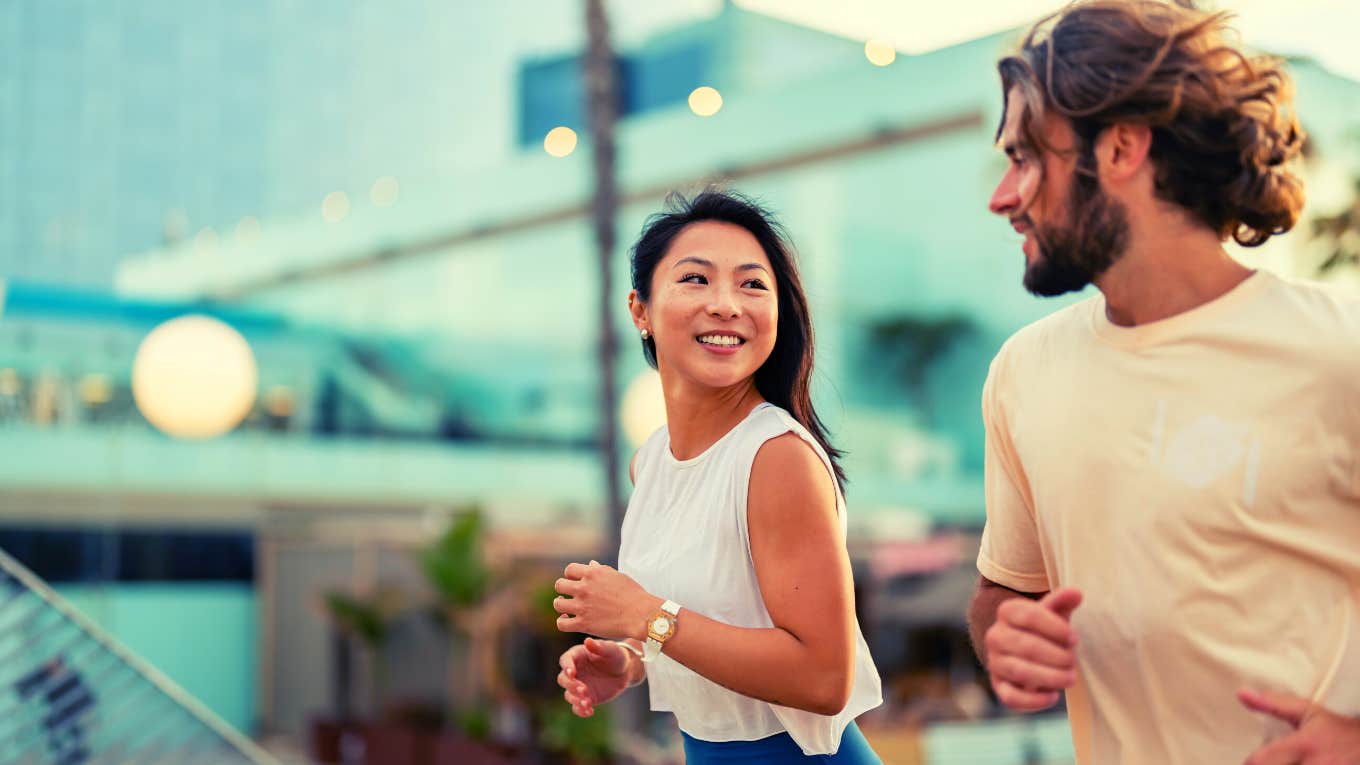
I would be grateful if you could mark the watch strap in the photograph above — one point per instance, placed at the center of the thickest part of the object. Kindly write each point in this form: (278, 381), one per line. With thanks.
(651, 647)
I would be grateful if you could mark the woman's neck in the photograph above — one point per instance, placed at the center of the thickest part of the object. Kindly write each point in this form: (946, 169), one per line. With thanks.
(697, 417)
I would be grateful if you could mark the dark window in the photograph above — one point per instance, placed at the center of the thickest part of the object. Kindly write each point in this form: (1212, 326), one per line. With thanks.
(144, 555)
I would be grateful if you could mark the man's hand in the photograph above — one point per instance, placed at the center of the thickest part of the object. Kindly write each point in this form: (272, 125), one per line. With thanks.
(1030, 655)
(1319, 738)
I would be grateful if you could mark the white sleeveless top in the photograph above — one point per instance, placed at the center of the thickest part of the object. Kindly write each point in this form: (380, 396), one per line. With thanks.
(684, 538)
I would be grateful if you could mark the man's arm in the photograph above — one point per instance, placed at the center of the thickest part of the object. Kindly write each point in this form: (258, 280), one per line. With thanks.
(987, 598)
(1026, 644)
(1024, 640)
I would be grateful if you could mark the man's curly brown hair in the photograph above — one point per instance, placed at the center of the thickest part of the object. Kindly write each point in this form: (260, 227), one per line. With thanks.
(1224, 133)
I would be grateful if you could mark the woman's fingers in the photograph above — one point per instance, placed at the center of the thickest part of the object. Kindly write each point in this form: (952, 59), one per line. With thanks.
(581, 705)
(567, 661)
(605, 652)
(572, 685)
(576, 692)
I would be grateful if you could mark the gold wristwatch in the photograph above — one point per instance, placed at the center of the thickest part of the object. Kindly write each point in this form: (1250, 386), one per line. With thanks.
(660, 627)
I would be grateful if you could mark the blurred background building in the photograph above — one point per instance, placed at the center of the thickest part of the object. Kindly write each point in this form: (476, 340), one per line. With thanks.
(391, 203)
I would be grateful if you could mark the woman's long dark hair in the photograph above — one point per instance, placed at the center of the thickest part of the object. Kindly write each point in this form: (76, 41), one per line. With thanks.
(784, 379)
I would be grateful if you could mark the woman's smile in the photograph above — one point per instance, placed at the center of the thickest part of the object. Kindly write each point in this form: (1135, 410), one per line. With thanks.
(722, 343)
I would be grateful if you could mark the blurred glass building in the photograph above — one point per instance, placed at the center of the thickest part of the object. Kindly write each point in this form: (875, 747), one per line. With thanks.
(362, 190)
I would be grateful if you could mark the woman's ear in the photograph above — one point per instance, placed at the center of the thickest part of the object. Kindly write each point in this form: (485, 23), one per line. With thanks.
(638, 310)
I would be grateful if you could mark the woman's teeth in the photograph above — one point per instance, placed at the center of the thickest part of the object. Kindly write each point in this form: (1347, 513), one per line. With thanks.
(720, 340)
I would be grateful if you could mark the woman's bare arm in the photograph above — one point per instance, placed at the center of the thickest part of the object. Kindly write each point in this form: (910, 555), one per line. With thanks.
(806, 659)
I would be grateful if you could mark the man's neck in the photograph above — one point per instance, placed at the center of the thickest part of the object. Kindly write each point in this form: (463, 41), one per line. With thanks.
(1169, 268)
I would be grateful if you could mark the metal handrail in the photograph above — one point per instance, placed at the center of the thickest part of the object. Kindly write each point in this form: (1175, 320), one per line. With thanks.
(234, 746)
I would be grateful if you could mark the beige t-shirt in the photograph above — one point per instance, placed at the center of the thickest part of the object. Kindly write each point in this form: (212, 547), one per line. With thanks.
(1198, 479)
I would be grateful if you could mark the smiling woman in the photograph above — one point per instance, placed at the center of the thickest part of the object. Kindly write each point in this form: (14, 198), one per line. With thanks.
(749, 240)
(737, 513)
(712, 314)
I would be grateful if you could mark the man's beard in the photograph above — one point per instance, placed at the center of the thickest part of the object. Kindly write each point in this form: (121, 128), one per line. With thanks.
(1094, 235)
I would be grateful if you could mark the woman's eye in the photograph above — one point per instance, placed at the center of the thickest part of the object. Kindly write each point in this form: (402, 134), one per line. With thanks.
(694, 279)
(754, 284)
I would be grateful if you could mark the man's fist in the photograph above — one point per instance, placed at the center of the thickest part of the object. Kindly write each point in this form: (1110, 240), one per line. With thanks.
(1030, 650)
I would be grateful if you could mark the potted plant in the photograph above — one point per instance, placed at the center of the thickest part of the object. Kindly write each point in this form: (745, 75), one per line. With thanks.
(354, 619)
(474, 613)
(455, 566)
(572, 740)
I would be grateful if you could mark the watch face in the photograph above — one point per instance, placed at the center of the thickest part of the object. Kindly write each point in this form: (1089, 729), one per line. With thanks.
(661, 625)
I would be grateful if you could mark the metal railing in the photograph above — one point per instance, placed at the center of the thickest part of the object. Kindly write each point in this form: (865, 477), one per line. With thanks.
(71, 695)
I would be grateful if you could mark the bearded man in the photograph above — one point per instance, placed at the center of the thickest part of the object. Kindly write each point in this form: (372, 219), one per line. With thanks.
(1173, 465)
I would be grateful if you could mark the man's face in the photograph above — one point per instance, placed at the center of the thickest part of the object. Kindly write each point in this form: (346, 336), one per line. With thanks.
(1073, 231)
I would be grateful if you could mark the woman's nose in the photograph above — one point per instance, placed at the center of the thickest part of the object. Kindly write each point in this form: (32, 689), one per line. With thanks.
(724, 304)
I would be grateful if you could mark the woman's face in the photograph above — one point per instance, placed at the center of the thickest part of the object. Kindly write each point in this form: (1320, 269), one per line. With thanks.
(713, 311)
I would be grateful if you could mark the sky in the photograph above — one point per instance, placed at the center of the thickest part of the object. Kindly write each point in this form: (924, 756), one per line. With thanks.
(1321, 29)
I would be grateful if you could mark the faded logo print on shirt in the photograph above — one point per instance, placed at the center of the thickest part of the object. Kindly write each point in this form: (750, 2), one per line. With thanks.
(1206, 450)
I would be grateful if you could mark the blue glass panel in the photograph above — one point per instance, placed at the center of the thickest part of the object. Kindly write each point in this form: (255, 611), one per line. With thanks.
(551, 94)
(657, 80)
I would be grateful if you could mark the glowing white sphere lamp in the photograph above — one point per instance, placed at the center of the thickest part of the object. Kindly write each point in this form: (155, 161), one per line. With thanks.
(194, 377)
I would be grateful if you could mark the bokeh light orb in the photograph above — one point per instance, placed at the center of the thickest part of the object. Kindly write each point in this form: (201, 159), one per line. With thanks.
(205, 243)
(384, 191)
(194, 377)
(879, 52)
(642, 408)
(705, 101)
(248, 231)
(560, 141)
(335, 206)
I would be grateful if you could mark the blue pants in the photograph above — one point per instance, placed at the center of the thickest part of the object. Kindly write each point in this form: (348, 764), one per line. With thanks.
(778, 749)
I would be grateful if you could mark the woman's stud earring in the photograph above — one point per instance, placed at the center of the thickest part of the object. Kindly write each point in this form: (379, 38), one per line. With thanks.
(646, 334)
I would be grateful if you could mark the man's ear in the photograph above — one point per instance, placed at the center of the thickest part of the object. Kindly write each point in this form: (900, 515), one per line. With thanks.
(1122, 150)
